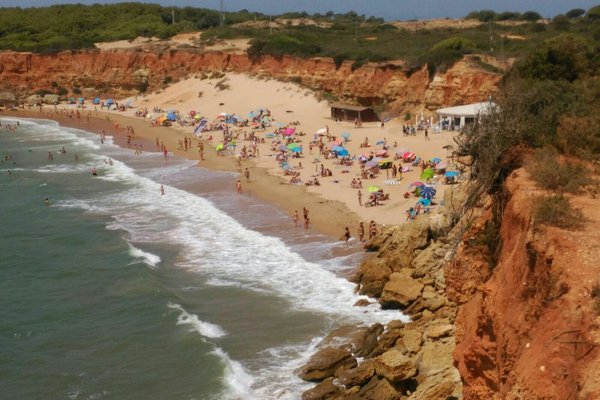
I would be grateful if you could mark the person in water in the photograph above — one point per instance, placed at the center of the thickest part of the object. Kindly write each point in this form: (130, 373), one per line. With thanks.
(47, 201)
(94, 173)
(162, 190)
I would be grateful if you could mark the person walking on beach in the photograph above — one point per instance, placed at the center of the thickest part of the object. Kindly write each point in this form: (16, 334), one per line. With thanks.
(360, 198)
(295, 218)
(347, 235)
(247, 175)
(305, 212)
(361, 232)
(165, 152)
(427, 135)
(306, 223)
(162, 190)
(238, 187)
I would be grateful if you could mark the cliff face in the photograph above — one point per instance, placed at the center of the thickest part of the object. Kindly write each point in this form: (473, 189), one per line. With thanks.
(118, 71)
(526, 328)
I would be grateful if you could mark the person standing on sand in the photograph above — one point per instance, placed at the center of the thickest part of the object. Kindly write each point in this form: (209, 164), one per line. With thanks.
(361, 232)
(238, 187)
(305, 212)
(295, 218)
(427, 135)
(247, 175)
(201, 150)
(360, 198)
(306, 223)
(165, 152)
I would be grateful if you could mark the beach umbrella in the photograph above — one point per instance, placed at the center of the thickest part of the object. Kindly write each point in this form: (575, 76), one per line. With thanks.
(425, 202)
(220, 146)
(293, 145)
(197, 116)
(385, 164)
(417, 184)
(283, 147)
(381, 153)
(341, 151)
(441, 165)
(270, 135)
(110, 101)
(436, 160)
(371, 164)
(407, 155)
(345, 135)
(289, 131)
(81, 99)
(96, 100)
(297, 149)
(451, 174)
(379, 142)
(428, 173)
(427, 192)
(373, 189)
(322, 131)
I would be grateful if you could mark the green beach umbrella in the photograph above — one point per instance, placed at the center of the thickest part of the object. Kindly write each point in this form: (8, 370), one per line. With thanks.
(220, 146)
(292, 146)
(373, 189)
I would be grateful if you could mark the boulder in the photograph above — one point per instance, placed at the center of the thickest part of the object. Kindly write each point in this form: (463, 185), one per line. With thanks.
(373, 275)
(438, 331)
(400, 291)
(327, 362)
(386, 341)
(51, 99)
(348, 337)
(34, 99)
(370, 341)
(357, 376)
(412, 340)
(434, 389)
(394, 366)
(378, 389)
(398, 243)
(435, 303)
(323, 391)
(7, 98)
(436, 357)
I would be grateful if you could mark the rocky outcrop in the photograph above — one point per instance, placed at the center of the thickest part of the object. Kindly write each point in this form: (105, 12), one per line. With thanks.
(121, 72)
(402, 360)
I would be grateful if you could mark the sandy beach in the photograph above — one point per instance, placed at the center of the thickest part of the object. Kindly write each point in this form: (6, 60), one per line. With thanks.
(333, 204)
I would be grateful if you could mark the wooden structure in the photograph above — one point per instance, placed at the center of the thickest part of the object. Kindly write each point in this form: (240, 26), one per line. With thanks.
(346, 112)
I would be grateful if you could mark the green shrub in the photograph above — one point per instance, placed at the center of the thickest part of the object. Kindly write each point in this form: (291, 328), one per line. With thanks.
(575, 13)
(62, 91)
(556, 210)
(550, 174)
(593, 13)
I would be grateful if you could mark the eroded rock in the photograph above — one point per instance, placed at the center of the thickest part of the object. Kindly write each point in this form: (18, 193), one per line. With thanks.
(326, 363)
(394, 366)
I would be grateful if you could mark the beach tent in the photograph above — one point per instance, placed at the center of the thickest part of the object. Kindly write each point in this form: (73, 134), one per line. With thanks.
(171, 116)
(96, 100)
(109, 102)
(81, 100)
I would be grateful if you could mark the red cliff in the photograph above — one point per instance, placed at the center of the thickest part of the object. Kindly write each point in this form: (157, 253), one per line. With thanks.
(121, 71)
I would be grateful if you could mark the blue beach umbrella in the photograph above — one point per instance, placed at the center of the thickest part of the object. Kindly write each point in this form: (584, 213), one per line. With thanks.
(283, 147)
(451, 174)
(341, 151)
(345, 135)
(297, 150)
(425, 202)
(436, 160)
(427, 192)
(110, 101)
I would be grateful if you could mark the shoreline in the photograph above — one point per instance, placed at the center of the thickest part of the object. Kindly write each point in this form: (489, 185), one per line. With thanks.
(328, 217)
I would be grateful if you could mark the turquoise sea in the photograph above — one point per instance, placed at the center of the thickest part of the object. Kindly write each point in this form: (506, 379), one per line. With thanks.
(113, 291)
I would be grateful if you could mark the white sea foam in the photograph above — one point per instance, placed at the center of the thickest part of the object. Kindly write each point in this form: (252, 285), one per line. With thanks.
(149, 259)
(236, 379)
(205, 329)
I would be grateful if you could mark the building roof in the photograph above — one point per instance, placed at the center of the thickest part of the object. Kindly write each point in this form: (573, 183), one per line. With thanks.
(348, 107)
(467, 110)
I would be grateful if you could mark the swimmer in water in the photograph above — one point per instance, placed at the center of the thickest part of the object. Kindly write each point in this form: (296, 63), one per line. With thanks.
(47, 201)
(94, 173)
(162, 190)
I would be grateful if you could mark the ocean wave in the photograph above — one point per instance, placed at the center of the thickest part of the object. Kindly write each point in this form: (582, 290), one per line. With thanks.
(149, 259)
(205, 329)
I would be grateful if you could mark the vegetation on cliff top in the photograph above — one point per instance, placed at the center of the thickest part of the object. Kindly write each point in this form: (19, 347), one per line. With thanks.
(342, 36)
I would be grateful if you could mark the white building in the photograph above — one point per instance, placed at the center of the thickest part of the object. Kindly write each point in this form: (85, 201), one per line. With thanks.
(459, 116)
